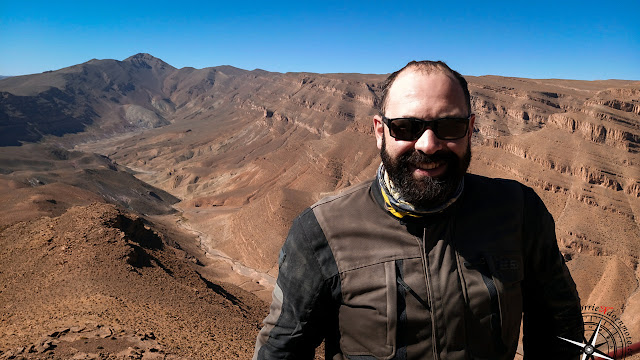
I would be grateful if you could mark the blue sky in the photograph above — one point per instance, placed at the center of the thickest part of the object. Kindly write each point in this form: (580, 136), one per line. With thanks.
(584, 40)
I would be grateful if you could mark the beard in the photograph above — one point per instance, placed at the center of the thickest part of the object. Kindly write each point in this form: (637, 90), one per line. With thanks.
(427, 192)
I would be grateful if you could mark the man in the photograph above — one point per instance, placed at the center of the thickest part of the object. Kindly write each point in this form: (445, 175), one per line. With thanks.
(425, 261)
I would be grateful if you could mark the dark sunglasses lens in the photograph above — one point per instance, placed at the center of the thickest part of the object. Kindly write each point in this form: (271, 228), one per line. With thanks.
(407, 129)
(449, 129)
(411, 129)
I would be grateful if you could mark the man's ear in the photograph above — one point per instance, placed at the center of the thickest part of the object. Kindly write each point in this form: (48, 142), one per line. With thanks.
(472, 121)
(378, 130)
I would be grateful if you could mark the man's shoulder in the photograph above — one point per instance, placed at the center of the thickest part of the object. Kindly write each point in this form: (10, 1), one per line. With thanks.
(488, 185)
(345, 198)
(492, 190)
(345, 194)
(352, 202)
(480, 180)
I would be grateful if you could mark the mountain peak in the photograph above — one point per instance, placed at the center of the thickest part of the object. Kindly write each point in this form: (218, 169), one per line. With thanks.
(142, 56)
(147, 61)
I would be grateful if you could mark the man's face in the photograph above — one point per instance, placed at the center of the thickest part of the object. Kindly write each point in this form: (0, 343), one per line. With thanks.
(426, 171)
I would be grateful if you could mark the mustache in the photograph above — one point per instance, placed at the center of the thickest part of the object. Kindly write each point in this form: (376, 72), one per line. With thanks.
(417, 157)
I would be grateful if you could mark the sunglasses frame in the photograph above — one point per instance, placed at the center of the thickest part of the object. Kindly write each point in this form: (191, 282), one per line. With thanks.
(428, 124)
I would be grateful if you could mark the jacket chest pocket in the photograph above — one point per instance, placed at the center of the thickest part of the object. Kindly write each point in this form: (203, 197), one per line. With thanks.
(494, 295)
(368, 314)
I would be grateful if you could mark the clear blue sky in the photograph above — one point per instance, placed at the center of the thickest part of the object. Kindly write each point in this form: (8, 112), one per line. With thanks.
(584, 40)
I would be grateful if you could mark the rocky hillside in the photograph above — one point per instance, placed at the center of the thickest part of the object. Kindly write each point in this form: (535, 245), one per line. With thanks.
(96, 282)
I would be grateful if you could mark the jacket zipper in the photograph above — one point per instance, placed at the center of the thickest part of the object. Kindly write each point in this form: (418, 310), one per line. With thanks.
(427, 279)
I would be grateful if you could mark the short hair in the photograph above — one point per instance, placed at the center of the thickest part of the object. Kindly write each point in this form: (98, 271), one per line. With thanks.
(428, 67)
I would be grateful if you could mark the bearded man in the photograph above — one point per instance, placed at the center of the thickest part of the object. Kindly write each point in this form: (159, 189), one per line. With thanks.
(425, 261)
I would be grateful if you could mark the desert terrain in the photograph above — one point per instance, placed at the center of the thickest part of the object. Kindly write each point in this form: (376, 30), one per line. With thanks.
(143, 206)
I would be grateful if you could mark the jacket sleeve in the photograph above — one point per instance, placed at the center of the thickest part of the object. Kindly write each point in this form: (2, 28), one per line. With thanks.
(301, 307)
(551, 302)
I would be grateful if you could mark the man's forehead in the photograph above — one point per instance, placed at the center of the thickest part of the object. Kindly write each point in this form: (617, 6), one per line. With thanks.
(411, 80)
(420, 86)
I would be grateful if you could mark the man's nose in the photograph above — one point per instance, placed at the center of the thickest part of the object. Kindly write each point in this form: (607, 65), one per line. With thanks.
(428, 143)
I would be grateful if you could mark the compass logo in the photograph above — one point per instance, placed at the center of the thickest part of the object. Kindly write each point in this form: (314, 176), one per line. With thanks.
(606, 337)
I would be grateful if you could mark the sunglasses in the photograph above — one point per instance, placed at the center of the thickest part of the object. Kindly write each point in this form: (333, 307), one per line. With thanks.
(410, 129)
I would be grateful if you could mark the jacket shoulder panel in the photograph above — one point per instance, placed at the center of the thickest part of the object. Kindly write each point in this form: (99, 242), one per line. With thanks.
(306, 231)
(360, 232)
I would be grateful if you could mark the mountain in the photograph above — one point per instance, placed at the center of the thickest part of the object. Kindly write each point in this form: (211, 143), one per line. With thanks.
(99, 96)
(240, 153)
